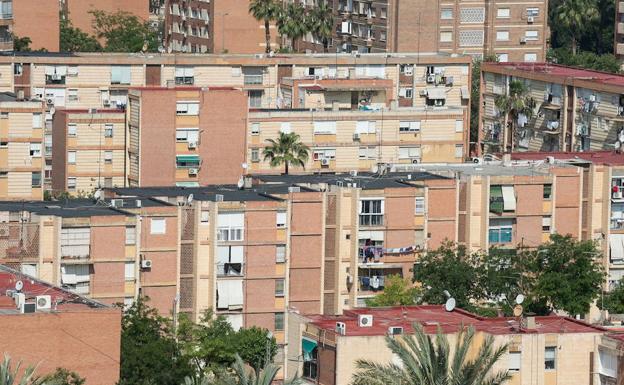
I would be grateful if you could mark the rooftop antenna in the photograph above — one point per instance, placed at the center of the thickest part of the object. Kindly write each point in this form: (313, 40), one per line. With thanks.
(241, 183)
(189, 199)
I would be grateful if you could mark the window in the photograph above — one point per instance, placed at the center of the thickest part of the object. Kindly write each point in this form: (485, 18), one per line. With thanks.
(255, 99)
(255, 155)
(158, 226)
(76, 278)
(205, 216)
(550, 355)
(530, 57)
(533, 12)
(230, 294)
(108, 157)
(253, 75)
(108, 130)
(412, 152)
(255, 128)
(546, 223)
(187, 108)
(531, 35)
(446, 36)
(324, 153)
(515, 361)
(503, 57)
(459, 126)
(503, 13)
(280, 253)
(129, 271)
(71, 184)
(120, 74)
(71, 129)
(365, 127)
(406, 92)
(72, 94)
(230, 227)
(371, 212)
(459, 151)
(325, 127)
(547, 194)
(108, 182)
(230, 260)
(502, 35)
(500, 231)
(55, 74)
(367, 152)
(4, 115)
(130, 235)
(188, 161)
(18, 69)
(279, 287)
(281, 219)
(36, 120)
(409, 126)
(419, 206)
(279, 321)
(71, 157)
(446, 13)
(382, 35)
(184, 75)
(35, 150)
(36, 179)
(189, 135)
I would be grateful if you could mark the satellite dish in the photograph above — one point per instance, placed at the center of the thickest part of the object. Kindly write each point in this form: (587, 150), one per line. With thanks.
(241, 183)
(617, 145)
(517, 310)
(189, 199)
(519, 299)
(98, 195)
(375, 169)
(244, 166)
(450, 304)
(19, 285)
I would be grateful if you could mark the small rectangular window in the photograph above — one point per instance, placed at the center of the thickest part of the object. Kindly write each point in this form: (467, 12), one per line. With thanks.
(255, 155)
(459, 126)
(71, 129)
(72, 94)
(547, 194)
(515, 361)
(36, 120)
(459, 151)
(108, 130)
(71, 157)
(280, 253)
(503, 57)
(546, 223)
(503, 13)
(531, 35)
(446, 36)
(279, 287)
(71, 184)
(502, 35)
(158, 226)
(446, 13)
(36, 179)
(255, 128)
(205, 216)
(130, 235)
(279, 321)
(281, 219)
(129, 271)
(530, 57)
(419, 206)
(550, 356)
(35, 150)
(108, 157)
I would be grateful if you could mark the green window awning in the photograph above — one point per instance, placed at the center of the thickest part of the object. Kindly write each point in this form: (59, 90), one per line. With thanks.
(308, 346)
(187, 158)
(497, 202)
(187, 184)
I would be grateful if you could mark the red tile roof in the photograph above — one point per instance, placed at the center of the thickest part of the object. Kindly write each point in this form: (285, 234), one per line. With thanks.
(598, 157)
(563, 72)
(432, 317)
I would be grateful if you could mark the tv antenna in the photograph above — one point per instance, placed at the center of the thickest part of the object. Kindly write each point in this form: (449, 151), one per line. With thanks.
(189, 199)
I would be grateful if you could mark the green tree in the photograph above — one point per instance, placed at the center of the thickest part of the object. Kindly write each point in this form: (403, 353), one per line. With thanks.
(292, 22)
(574, 16)
(63, 376)
(321, 22)
(242, 375)
(475, 95)
(449, 268)
(398, 291)
(429, 361)
(149, 352)
(16, 375)
(73, 39)
(21, 44)
(255, 346)
(287, 150)
(613, 301)
(606, 62)
(124, 32)
(517, 101)
(267, 11)
(568, 274)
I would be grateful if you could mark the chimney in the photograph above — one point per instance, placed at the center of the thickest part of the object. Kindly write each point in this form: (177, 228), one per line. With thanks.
(530, 323)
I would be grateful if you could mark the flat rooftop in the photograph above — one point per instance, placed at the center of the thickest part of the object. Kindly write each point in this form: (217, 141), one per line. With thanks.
(611, 158)
(77, 208)
(229, 193)
(432, 317)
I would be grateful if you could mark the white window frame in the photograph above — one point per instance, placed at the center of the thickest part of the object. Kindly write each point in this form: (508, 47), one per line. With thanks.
(530, 57)
(531, 35)
(409, 126)
(446, 36)
(72, 129)
(502, 35)
(36, 120)
(503, 13)
(459, 125)
(255, 128)
(410, 152)
(446, 14)
(459, 151)
(71, 157)
(280, 253)
(325, 127)
(130, 235)
(187, 108)
(419, 205)
(35, 150)
(158, 226)
(515, 361)
(281, 219)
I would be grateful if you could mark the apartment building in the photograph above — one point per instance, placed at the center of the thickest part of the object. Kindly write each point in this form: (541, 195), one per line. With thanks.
(545, 350)
(89, 150)
(618, 46)
(79, 11)
(513, 31)
(35, 19)
(45, 326)
(196, 134)
(218, 26)
(576, 110)
(21, 153)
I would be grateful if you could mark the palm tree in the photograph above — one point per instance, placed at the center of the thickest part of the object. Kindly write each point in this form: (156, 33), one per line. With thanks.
(292, 22)
(287, 150)
(575, 16)
(12, 377)
(243, 375)
(512, 105)
(428, 362)
(321, 22)
(267, 11)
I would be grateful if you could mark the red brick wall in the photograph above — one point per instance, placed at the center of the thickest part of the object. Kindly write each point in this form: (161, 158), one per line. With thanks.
(59, 151)
(38, 20)
(86, 342)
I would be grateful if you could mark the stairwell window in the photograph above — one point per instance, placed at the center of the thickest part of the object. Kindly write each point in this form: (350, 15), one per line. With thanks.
(550, 356)
(371, 212)
(279, 287)
(108, 130)
(446, 13)
(158, 226)
(120, 74)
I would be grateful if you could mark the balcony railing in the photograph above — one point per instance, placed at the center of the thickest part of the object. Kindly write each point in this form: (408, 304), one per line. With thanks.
(253, 79)
(75, 252)
(230, 269)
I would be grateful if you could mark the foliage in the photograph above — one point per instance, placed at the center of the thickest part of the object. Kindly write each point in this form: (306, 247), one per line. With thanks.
(241, 375)
(475, 95)
(510, 106)
(606, 62)
(63, 376)
(321, 22)
(149, 353)
(432, 361)
(267, 11)
(287, 150)
(594, 34)
(397, 291)
(574, 16)
(255, 346)
(614, 300)
(292, 21)
(73, 39)
(17, 375)
(21, 44)
(124, 32)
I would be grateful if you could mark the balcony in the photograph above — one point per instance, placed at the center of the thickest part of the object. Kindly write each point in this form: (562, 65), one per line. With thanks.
(75, 253)
(230, 270)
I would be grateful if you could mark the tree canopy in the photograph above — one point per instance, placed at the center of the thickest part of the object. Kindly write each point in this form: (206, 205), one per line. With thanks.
(73, 39)
(124, 32)
(397, 291)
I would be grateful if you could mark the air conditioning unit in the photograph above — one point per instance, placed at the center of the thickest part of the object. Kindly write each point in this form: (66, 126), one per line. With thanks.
(20, 299)
(353, 172)
(30, 307)
(192, 171)
(523, 40)
(476, 160)
(146, 264)
(365, 320)
(106, 103)
(341, 328)
(356, 137)
(325, 162)
(50, 101)
(617, 195)
(43, 302)
(117, 203)
(530, 19)
(422, 92)
(415, 160)
(294, 189)
(431, 78)
(395, 330)
(192, 145)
